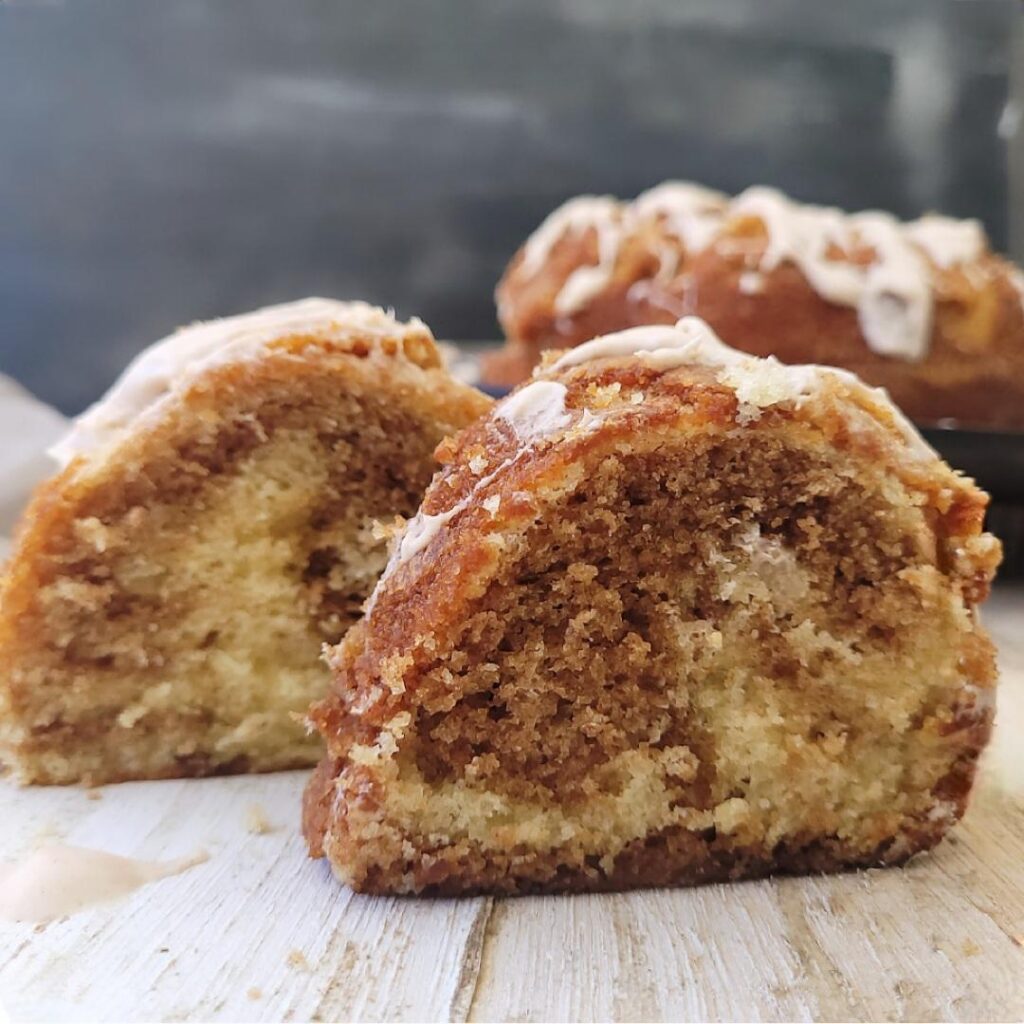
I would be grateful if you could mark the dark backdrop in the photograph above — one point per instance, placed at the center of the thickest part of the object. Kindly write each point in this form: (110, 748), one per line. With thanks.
(165, 161)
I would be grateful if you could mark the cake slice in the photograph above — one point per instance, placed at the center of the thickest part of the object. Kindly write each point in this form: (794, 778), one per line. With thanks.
(670, 614)
(165, 604)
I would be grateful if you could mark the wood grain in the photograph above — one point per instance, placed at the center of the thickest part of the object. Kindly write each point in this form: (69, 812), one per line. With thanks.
(261, 933)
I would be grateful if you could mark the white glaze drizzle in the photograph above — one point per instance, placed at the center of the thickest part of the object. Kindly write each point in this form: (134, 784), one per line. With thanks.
(424, 527)
(751, 282)
(169, 366)
(691, 212)
(689, 342)
(948, 242)
(896, 302)
(57, 880)
(802, 235)
(892, 294)
(536, 410)
(758, 383)
(599, 213)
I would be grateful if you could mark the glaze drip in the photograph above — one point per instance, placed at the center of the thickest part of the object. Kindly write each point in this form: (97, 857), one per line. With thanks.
(757, 382)
(533, 412)
(870, 261)
(57, 880)
(536, 410)
(168, 366)
(601, 214)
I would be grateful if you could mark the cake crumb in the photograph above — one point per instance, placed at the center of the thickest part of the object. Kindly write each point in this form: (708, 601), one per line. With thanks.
(297, 959)
(256, 820)
(48, 833)
(255, 993)
(381, 530)
(970, 948)
(603, 396)
(93, 794)
(1018, 939)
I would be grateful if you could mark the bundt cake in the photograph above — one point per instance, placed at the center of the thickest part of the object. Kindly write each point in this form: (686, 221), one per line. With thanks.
(669, 614)
(924, 309)
(166, 600)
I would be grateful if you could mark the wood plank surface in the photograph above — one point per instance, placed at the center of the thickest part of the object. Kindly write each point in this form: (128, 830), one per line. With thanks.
(260, 933)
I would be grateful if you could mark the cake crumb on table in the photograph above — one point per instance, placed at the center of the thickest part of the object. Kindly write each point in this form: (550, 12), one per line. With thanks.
(256, 820)
(297, 959)
(255, 993)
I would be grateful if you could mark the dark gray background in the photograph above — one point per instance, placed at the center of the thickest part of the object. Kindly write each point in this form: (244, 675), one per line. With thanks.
(165, 161)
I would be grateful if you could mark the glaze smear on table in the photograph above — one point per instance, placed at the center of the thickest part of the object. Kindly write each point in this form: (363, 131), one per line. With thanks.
(56, 880)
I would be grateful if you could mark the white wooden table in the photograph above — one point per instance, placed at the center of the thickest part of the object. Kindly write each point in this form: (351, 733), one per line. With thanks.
(260, 933)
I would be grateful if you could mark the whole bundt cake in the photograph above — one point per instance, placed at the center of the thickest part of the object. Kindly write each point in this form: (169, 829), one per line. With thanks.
(166, 600)
(923, 308)
(670, 614)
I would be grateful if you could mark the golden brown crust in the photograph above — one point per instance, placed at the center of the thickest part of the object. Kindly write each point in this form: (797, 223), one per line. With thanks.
(677, 858)
(304, 385)
(386, 668)
(971, 373)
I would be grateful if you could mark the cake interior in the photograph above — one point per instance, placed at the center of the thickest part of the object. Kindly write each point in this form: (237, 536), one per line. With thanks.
(186, 602)
(704, 658)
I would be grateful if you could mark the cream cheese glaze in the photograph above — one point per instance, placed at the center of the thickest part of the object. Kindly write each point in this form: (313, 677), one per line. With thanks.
(535, 410)
(758, 382)
(947, 241)
(424, 527)
(599, 213)
(893, 293)
(166, 368)
(57, 880)
(692, 213)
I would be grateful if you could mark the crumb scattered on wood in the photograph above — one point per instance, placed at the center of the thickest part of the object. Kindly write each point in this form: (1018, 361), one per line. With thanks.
(1019, 939)
(297, 959)
(255, 993)
(93, 794)
(971, 948)
(47, 833)
(349, 957)
(256, 820)
(904, 988)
